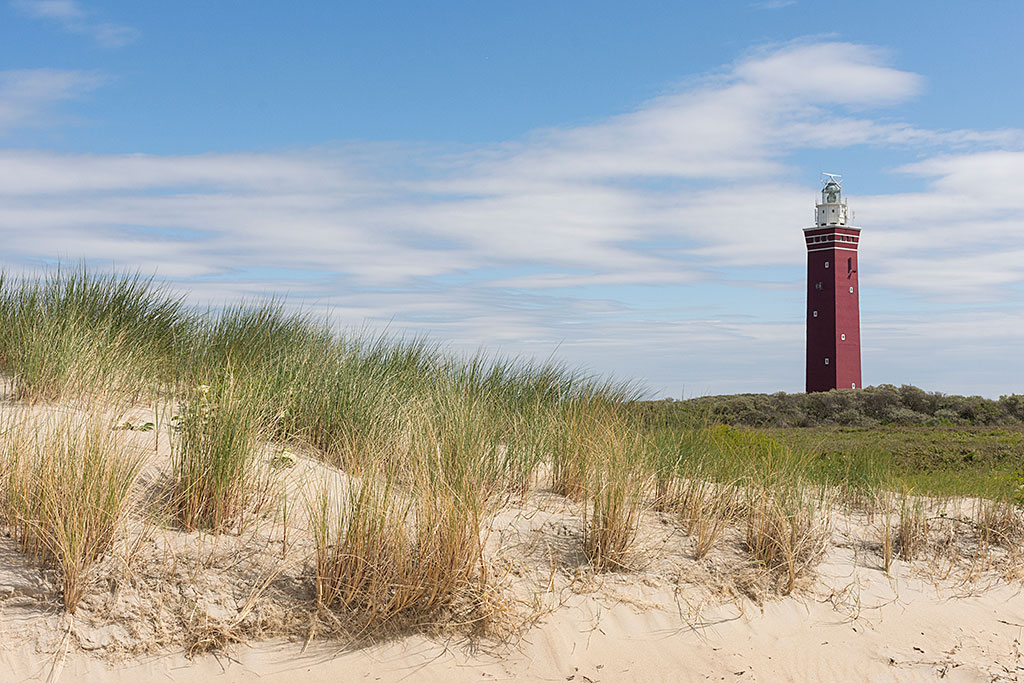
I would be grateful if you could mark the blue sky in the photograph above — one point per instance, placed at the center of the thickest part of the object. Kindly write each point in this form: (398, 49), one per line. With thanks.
(621, 185)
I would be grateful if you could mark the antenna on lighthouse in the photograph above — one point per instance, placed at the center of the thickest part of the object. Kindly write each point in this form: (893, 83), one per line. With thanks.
(832, 178)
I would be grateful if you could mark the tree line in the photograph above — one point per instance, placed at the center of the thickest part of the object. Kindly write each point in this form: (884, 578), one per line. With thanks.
(884, 404)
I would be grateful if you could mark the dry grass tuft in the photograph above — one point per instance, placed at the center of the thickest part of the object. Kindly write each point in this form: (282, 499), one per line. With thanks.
(66, 490)
(1000, 523)
(788, 527)
(707, 511)
(570, 456)
(912, 532)
(617, 484)
(908, 538)
(389, 560)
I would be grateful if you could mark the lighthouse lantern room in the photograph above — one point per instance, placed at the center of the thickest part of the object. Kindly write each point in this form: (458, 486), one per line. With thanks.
(833, 312)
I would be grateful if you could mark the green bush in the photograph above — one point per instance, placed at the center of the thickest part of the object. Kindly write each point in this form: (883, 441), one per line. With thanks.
(871, 406)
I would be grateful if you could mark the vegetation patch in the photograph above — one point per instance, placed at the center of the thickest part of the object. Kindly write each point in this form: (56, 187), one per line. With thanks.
(328, 482)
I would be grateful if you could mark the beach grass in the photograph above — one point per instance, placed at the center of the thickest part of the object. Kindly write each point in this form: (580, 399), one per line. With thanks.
(426, 446)
(68, 481)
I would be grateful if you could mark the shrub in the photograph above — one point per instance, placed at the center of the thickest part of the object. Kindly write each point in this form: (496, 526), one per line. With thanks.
(903, 416)
(884, 404)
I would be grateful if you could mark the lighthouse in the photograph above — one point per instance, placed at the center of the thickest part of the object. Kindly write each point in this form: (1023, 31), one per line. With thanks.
(833, 312)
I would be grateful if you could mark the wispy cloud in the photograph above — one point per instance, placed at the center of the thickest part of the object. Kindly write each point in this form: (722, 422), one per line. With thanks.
(773, 4)
(28, 95)
(73, 18)
(655, 225)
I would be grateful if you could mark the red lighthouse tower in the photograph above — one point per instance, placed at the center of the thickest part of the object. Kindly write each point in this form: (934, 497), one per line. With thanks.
(833, 312)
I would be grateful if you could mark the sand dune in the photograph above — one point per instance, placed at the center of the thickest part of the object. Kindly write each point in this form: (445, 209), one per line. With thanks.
(852, 622)
(866, 628)
(956, 613)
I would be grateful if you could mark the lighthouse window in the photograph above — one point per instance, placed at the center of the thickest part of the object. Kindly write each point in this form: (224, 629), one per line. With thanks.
(842, 337)
(826, 361)
(826, 264)
(818, 286)
(815, 314)
(851, 290)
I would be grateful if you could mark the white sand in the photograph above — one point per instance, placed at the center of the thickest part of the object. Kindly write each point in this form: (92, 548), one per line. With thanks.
(902, 632)
(852, 624)
(672, 619)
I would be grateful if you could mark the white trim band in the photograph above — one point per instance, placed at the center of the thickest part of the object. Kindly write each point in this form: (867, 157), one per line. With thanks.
(835, 247)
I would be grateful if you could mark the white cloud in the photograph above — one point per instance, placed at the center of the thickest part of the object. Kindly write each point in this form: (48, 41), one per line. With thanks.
(772, 4)
(992, 177)
(27, 95)
(544, 242)
(58, 10)
(71, 17)
(26, 173)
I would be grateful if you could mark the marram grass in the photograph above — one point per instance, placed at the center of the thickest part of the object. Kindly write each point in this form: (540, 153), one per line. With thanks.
(425, 447)
(216, 432)
(68, 480)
